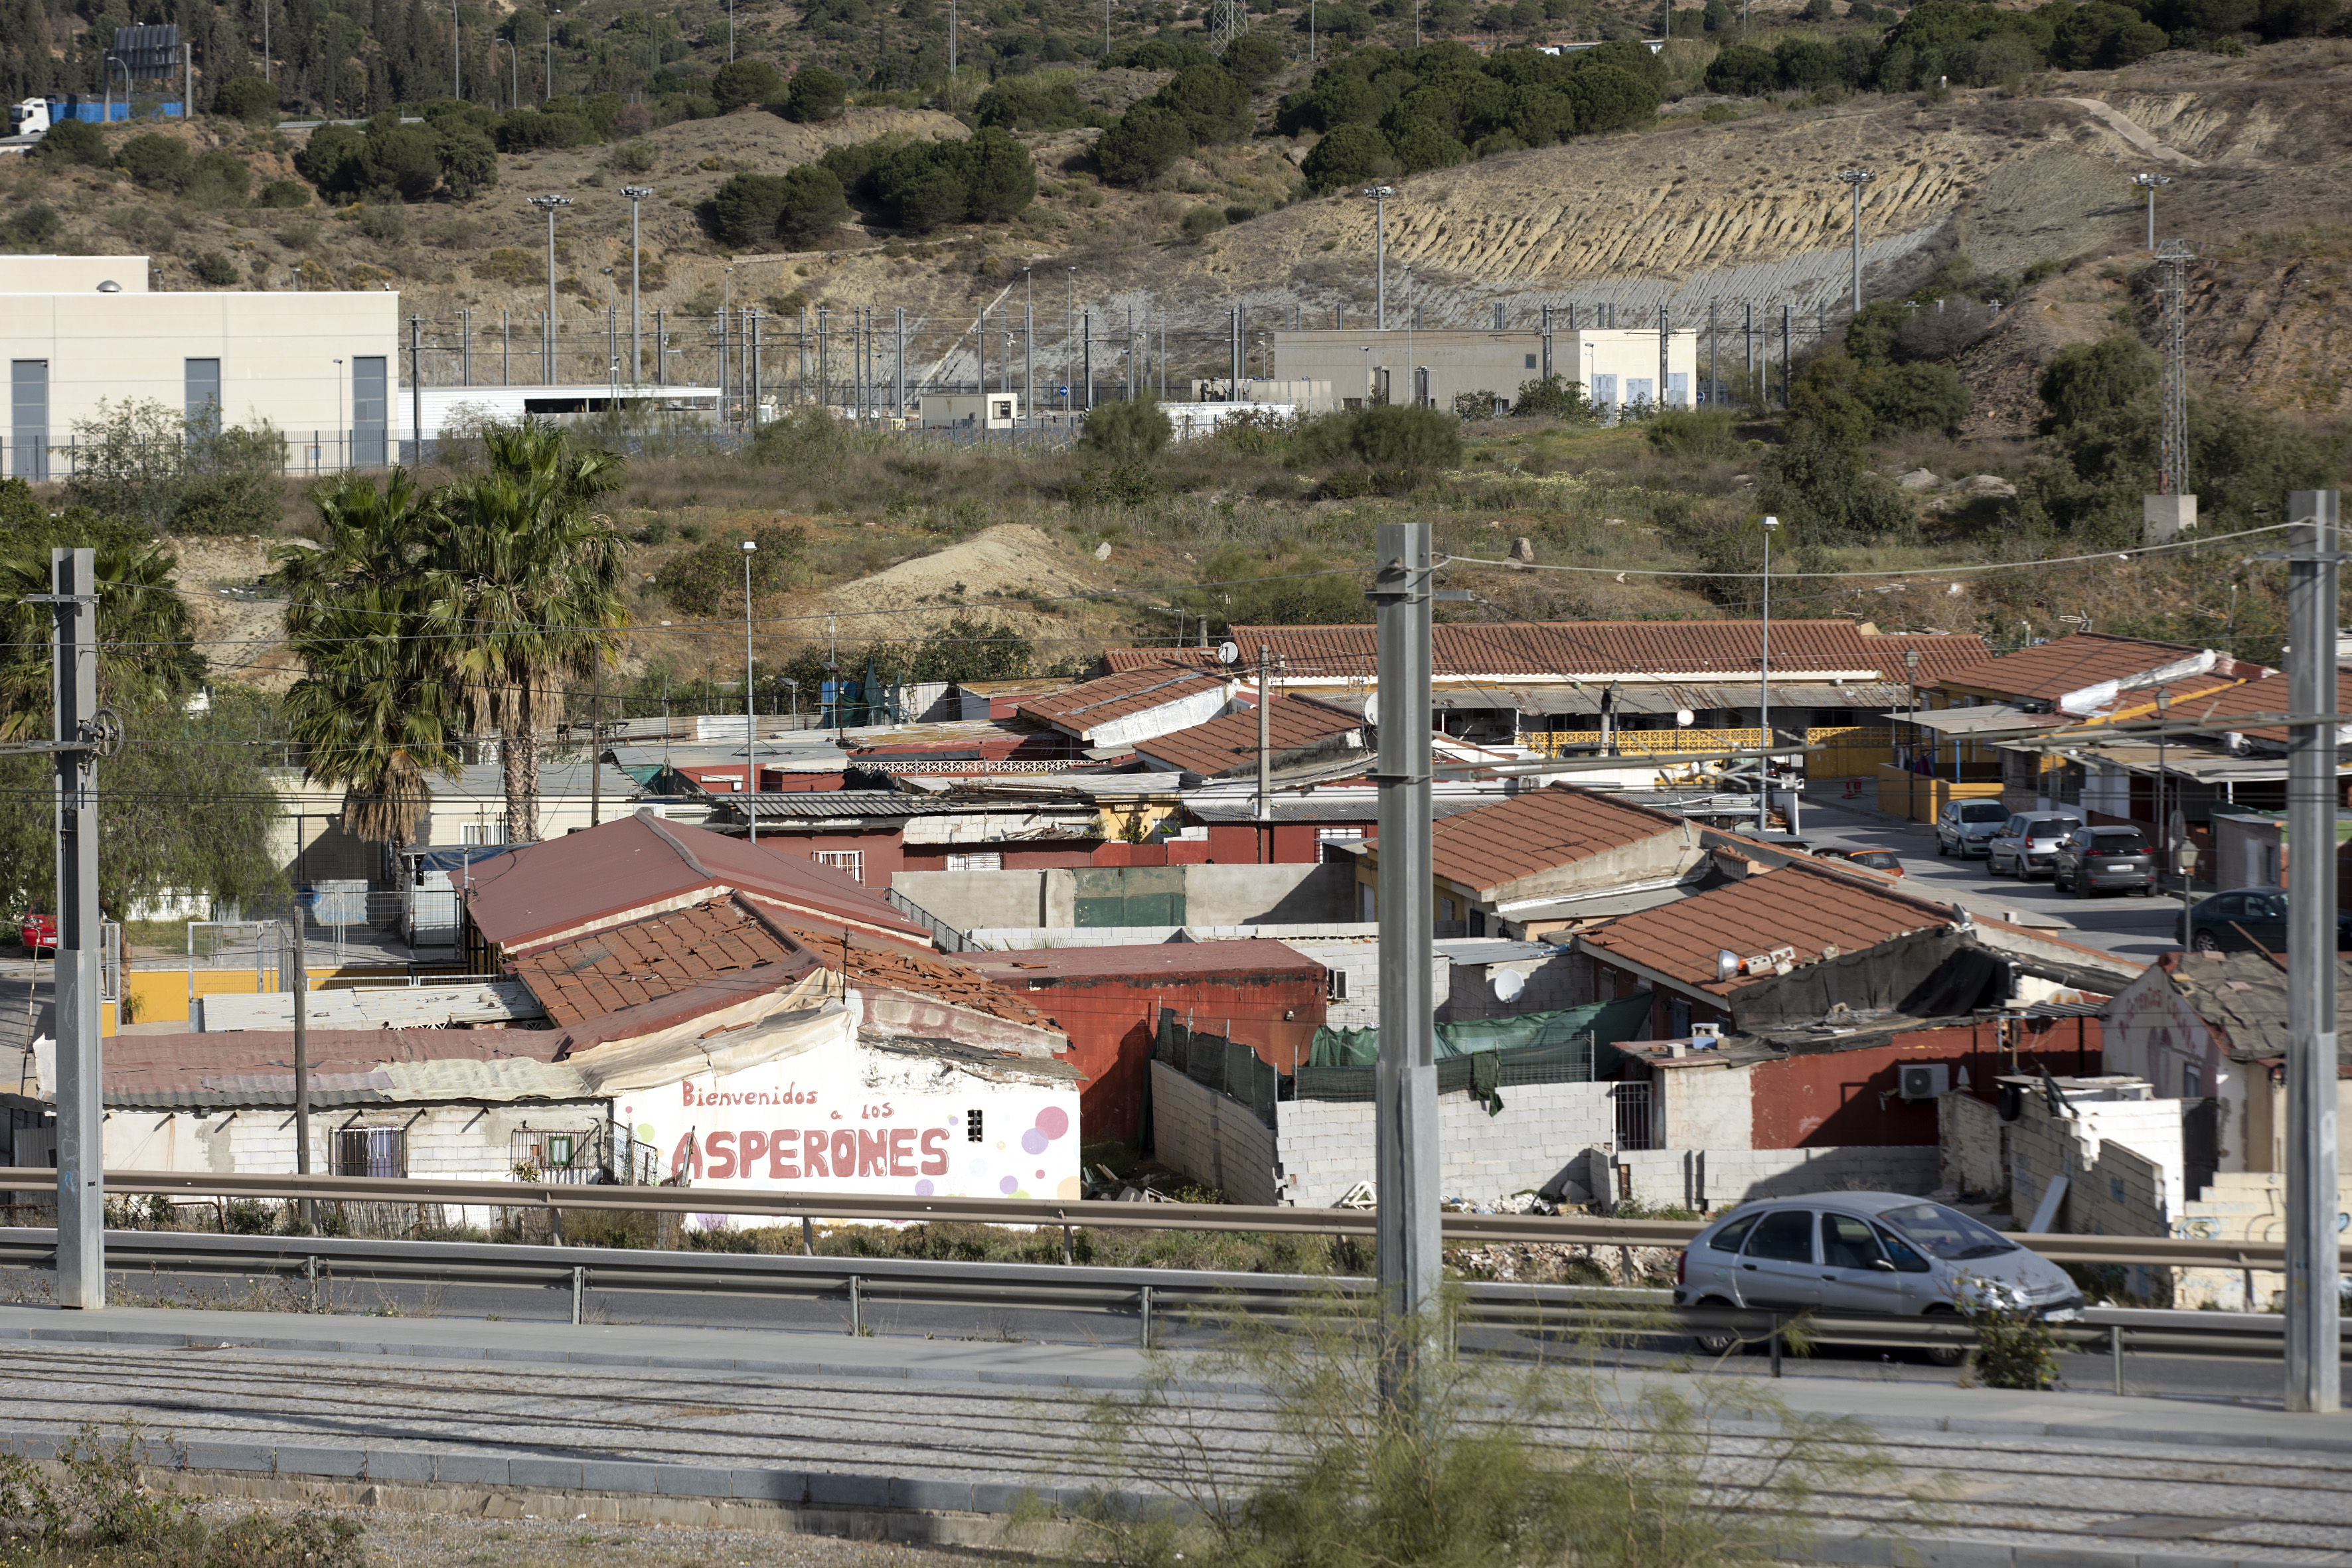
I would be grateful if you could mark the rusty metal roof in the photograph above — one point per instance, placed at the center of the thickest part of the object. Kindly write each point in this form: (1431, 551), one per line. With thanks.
(935, 975)
(1118, 660)
(1578, 650)
(1812, 909)
(347, 1066)
(1527, 834)
(541, 892)
(1229, 745)
(1079, 709)
(2268, 695)
(1145, 964)
(624, 965)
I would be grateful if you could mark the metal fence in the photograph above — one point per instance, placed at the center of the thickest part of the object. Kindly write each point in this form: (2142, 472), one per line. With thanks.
(1224, 1066)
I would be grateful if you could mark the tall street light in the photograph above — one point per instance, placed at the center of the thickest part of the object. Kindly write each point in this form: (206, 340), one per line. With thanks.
(1069, 336)
(1855, 179)
(550, 204)
(1381, 194)
(2149, 182)
(636, 365)
(750, 723)
(1764, 694)
(456, 60)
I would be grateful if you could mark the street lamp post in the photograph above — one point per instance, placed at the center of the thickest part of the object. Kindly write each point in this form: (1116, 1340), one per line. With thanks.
(343, 437)
(456, 59)
(1069, 335)
(549, 206)
(751, 722)
(2149, 182)
(636, 360)
(1764, 693)
(1855, 179)
(1381, 194)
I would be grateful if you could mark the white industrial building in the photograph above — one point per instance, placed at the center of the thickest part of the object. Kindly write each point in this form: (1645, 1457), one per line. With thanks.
(1619, 369)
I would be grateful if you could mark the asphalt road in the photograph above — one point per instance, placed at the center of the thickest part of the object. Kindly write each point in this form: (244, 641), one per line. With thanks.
(2123, 925)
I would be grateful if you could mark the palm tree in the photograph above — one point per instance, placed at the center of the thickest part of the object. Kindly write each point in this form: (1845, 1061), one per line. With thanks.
(144, 652)
(525, 591)
(375, 710)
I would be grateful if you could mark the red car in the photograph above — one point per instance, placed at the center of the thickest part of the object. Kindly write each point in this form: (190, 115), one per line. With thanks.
(1877, 859)
(37, 932)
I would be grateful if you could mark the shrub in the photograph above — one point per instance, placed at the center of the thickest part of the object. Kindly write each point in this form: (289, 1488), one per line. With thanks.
(635, 158)
(508, 263)
(1127, 431)
(742, 83)
(1214, 104)
(1023, 103)
(1141, 144)
(1387, 437)
(1350, 155)
(1253, 57)
(74, 142)
(219, 177)
(747, 208)
(1000, 177)
(533, 129)
(1692, 432)
(708, 578)
(157, 163)
(469, 162)
(2088, 380)
(812, 206)
(2102, 35)
(1552, 398)
(214, 271)
(1202, 222)
(921, 190)
(246, 98)
(283, 196)
(1915, 397)
(35, 227)
(815, 94)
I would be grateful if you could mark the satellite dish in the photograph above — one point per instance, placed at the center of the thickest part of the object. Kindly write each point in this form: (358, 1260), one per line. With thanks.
(1372, 708)
(1228, 652)
(1508, 983)
(1685, 718)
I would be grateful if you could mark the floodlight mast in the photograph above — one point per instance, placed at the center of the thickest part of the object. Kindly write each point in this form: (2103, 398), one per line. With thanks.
(1855, 180)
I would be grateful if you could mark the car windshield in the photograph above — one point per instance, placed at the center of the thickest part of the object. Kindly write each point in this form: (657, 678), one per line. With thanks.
(1946, 1233)
(1984, 810)
(2120, 842)
(1877, 859)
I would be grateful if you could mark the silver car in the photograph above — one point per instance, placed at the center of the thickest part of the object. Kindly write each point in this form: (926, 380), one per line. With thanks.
(2027, 844)
(1883, 1254)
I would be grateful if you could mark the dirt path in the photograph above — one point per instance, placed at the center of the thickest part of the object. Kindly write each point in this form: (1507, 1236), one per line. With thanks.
(2122, 126)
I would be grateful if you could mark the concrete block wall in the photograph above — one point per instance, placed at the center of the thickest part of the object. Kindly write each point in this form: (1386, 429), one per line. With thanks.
(2240, 1206)
(1548, 985)
(1326, 1146)
(1706, 1107)
(449, 1141)
(1216, 1141)
(1714, 1179)
(1971, 1146)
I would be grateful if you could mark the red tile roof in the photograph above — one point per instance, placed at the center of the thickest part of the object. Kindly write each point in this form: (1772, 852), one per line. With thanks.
(1810, 909)
(2050, 671)
(1598, 650)
(604, 876)
(1079, 709)
(1229, 745)
(1119, 660)
(1500, 844)
(935, 975)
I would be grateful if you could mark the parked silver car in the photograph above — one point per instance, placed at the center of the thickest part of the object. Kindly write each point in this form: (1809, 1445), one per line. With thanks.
(1964, 827)
(2027, 844)
(1884, 1253)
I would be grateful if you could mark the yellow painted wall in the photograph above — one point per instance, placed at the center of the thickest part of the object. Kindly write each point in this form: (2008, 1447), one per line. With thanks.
(1907, 794)
(161, 996)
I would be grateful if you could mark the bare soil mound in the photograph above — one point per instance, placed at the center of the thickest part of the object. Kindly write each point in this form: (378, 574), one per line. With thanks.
(1010, 562)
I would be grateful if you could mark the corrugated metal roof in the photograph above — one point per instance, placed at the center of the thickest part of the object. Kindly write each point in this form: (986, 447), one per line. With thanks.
(347, 1066)
(455, 1077)
(2267, 695)
(1361, 807)
(375, 1007)
(637, 861)
(813, 804)
(1520, 836)
(1489, 950)
(1799, 905)
(1229, 745)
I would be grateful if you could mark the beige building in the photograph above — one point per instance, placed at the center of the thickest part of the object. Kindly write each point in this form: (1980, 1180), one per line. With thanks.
(1619, 370)
(971, 410)
(321, 368)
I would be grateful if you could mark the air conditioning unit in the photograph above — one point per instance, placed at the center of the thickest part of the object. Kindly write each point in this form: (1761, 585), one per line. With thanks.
(1923, 1080)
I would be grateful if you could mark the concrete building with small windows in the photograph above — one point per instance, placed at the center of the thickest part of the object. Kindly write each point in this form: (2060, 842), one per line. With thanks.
(971, 410)
(1619, 370)
(322, 369)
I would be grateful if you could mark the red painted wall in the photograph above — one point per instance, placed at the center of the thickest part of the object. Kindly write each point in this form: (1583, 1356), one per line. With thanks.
(883, 852)
(1294, 843)
(1828, 1098)
(1110, 1022)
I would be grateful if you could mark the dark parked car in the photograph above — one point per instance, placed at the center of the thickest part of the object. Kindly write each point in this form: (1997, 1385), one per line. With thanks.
(2104, 860)
(2027, 843)
(2242, 917)
(1964, 827)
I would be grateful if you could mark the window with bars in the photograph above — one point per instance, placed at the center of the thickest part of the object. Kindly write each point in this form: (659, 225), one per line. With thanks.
(558, 1155)
(978, 860)
(852, 861)
(975, 1126)
(378, 1151)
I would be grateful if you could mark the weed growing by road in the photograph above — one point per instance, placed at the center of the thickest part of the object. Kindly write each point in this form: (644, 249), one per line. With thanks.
(1303, 1445)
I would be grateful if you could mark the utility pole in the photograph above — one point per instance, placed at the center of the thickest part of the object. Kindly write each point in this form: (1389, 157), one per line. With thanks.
(751, 722)
(595, 742)
(1764, 695)
(1855, 179)
(2149, 182)
(2314, 1374)
(1381, 194)
(1265, 755)
(81, 1110)
(2172, 319)
(415, 387)
(302, 1065)
(1407, 1249)
(549, 206)
(636, 319)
